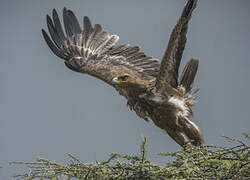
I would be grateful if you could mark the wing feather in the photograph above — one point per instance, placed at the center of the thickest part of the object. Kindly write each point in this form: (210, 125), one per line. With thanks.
(130, 51)
(171, 60)
(98, 40)
(76, 29)
(118, 50)
(87, 29)
(53, 48)
(136, 57)
(106, 45)
(66, 22)
(54, 35)
(81, 47)
(95, 40)
(58, 25)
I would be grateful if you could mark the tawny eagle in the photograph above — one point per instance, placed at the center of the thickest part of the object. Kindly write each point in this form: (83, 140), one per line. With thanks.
(152, 89)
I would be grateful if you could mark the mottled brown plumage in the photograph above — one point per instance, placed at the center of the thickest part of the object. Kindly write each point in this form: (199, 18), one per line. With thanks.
(152, 89)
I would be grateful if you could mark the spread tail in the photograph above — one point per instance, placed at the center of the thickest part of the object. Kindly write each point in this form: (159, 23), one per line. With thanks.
(188, 74)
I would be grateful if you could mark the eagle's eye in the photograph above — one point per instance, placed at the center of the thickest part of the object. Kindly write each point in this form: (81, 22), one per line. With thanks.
(123, 78)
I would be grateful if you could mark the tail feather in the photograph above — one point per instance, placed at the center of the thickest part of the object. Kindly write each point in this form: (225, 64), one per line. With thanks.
(188, 74)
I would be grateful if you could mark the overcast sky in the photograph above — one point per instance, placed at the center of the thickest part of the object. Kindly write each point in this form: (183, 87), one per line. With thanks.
(47, 110)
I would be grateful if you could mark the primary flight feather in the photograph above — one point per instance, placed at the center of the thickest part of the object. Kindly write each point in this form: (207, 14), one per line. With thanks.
(152, 89)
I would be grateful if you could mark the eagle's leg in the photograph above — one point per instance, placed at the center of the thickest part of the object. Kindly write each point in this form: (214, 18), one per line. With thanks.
(169, 125)
(191, 131)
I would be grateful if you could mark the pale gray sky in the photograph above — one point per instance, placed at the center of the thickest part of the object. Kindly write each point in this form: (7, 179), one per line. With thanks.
(47, 110)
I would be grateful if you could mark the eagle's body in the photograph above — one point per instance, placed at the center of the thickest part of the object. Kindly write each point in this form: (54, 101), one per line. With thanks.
(152, 89)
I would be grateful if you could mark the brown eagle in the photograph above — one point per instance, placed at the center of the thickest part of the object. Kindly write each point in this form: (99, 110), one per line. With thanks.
(152, 89)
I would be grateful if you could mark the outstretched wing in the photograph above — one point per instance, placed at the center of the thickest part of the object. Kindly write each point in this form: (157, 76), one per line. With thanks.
(92, 50)
(171, 60)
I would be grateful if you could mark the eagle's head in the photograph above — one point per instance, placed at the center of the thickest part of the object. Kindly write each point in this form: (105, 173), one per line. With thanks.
(128, 81)
(123, 80)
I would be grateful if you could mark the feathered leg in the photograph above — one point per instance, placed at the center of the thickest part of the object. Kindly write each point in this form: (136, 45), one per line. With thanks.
(177, 135)
(191, 131)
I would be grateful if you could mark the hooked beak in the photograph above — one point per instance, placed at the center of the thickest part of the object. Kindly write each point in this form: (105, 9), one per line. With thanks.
(115, 81)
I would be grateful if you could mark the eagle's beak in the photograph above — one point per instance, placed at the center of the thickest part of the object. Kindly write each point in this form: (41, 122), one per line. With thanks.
(115, 81)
